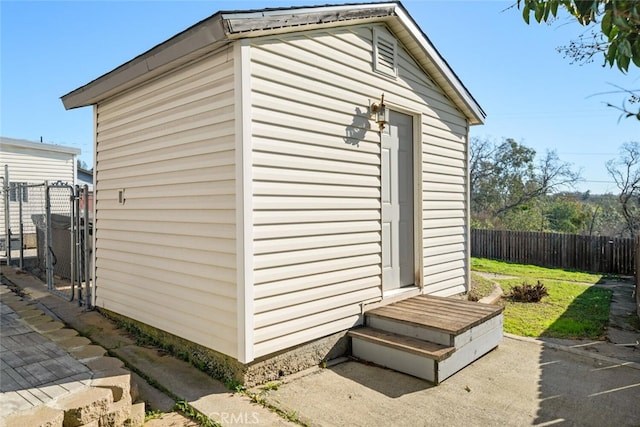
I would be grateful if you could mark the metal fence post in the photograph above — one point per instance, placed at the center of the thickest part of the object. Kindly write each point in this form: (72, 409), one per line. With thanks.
(87, 254)
(48, 238)
(19, 189)
(77, 250)
(7, 216)
(72, 230)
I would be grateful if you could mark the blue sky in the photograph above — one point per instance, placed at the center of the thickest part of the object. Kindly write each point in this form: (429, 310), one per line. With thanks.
(528, 90)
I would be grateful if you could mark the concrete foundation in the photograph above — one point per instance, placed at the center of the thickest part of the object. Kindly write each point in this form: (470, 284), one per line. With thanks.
(296, 359)
(230, 370)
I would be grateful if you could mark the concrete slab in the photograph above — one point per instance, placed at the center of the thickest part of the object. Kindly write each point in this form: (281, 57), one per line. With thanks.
(521, 383)
(154, 399)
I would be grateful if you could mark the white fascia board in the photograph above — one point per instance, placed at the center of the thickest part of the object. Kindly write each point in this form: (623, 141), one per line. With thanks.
(456, 88)
(38, 146)
(204, 36)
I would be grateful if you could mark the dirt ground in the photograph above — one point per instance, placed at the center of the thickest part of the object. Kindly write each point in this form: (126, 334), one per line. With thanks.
(172, 419)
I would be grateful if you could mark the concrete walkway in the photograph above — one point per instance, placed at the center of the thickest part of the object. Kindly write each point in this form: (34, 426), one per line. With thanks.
(522, 382)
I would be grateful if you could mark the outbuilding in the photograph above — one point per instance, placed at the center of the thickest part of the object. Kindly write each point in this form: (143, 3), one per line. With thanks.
(25, 162)
(263, 177)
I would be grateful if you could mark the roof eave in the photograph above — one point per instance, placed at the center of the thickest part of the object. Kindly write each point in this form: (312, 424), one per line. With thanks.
(40, 146)
(224, 27)
(205, 36)
(444, 75)
(277, 21)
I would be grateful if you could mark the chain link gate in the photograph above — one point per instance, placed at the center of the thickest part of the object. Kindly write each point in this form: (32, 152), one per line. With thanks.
(67, 242)
(51, 219)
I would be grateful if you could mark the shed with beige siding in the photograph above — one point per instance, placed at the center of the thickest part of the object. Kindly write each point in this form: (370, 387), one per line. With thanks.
(246, 198)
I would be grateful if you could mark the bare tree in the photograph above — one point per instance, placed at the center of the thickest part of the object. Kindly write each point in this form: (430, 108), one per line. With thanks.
(625, 171)
(505, 176)
(481, 152)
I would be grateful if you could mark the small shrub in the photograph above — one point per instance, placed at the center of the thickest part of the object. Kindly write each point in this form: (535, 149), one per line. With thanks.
(528, 293)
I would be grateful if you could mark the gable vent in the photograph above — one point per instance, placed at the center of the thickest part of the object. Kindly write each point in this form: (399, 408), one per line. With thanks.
(385, 56)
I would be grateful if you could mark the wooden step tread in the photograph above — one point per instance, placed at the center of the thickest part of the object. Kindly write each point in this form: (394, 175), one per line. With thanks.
(413, 345)
(444, 314)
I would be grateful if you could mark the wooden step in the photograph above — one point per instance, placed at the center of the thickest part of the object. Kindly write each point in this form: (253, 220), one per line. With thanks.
(428, 337)
(442, 314)
(403, 354)
(412, 345)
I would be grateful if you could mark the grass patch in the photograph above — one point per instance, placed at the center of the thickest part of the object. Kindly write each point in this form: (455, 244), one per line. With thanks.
(525, 270)
(152, 415)
(570, 311)
(480, 287)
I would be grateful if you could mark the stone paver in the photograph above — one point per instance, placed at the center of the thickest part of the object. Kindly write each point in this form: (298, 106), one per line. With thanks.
(34, 370)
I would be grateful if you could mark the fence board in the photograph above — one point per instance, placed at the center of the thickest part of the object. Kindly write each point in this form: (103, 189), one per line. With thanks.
(637, 262)
(597, 254)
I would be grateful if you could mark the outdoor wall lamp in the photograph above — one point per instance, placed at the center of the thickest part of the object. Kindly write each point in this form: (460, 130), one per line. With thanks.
(380, 113)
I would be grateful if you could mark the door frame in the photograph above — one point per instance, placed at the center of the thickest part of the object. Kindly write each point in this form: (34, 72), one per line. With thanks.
(418, 259)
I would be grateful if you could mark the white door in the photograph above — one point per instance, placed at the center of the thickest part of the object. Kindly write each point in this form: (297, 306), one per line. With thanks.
(397, 202)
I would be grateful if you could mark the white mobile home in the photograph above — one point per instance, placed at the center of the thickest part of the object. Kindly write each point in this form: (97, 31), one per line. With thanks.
(27, 162)
(250, 195)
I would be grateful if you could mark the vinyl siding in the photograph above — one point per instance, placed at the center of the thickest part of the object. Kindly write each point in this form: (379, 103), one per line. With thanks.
(316, 205)
(34, 167)
(167, 256)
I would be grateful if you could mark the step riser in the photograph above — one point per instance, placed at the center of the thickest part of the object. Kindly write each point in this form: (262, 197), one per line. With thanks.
(478, 331)
(395, 359)
(471, 351)
(408, 330)
(426, 368)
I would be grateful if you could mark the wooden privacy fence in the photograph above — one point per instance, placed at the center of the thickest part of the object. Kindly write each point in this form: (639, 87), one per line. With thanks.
(597, 254)
(638, 275)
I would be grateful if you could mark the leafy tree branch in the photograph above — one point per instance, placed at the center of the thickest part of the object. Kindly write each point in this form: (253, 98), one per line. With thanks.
(614, 32)
(618, 20)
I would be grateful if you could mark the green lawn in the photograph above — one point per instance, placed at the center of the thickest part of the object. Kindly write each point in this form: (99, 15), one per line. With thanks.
(524, 270)
(574, 309)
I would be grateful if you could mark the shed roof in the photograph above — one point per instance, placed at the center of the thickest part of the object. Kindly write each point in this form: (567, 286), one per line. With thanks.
(224, 27)
(41, 146)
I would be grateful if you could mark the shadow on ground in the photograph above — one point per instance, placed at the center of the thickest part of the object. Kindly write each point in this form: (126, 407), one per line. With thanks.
(385, 381)
(590, 384)
(579, 390)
